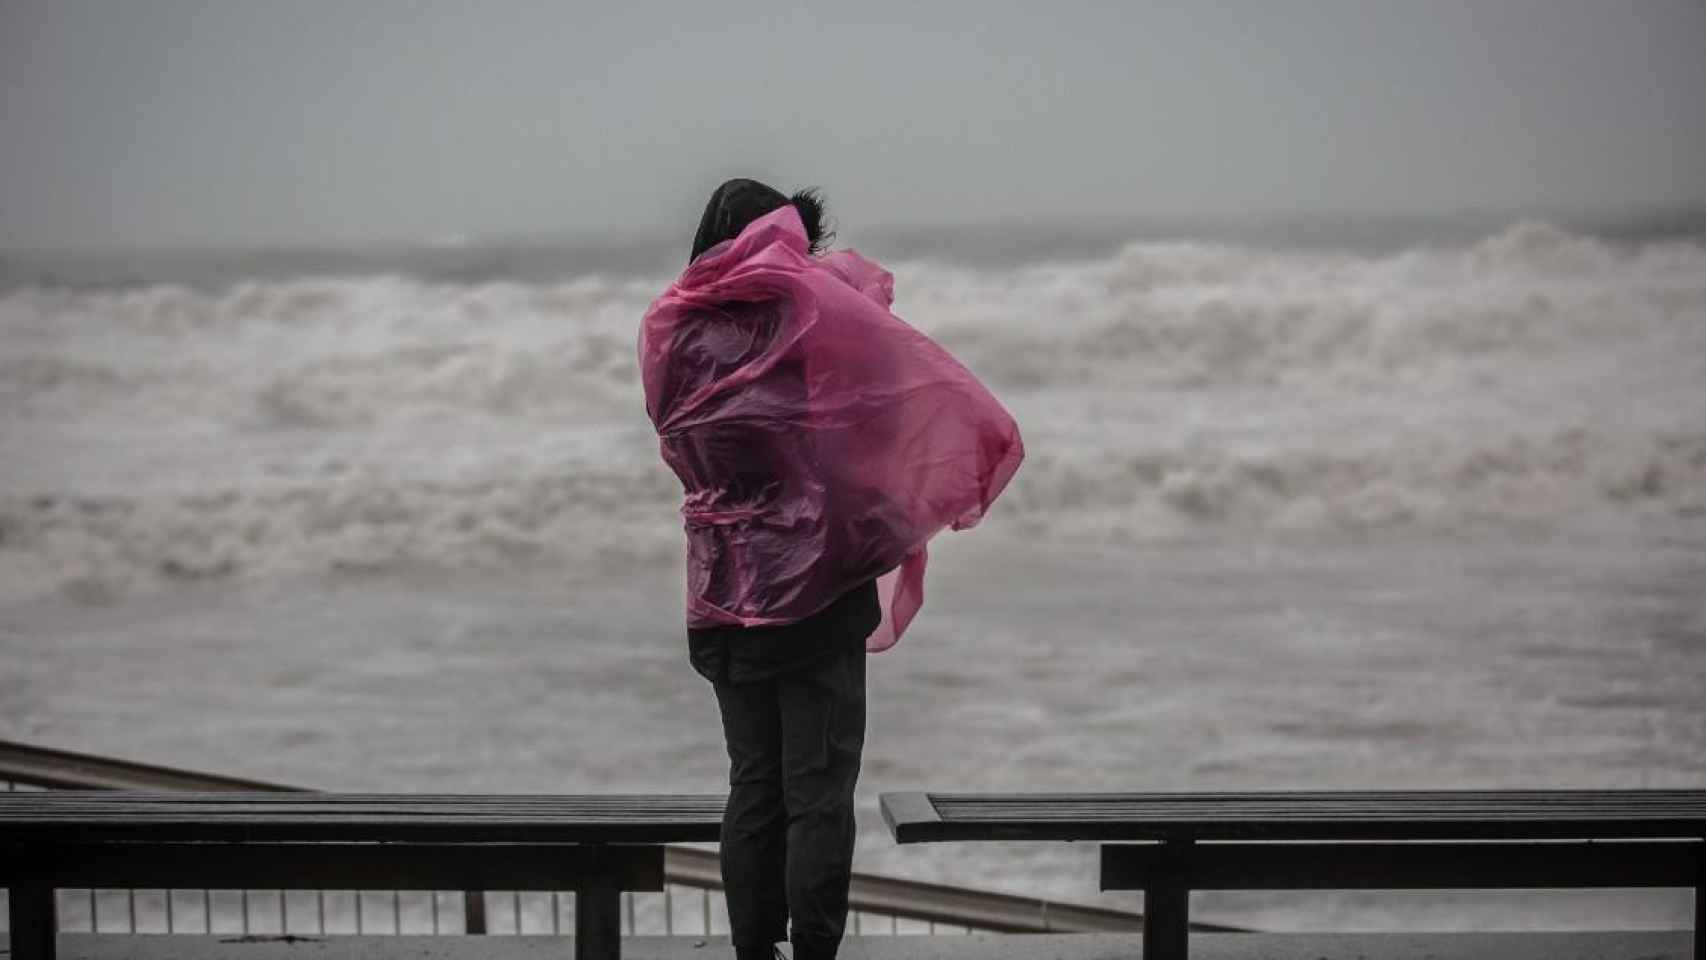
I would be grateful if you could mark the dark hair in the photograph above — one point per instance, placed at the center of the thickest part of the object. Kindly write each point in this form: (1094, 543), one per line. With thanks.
(819, 232)
(738, 202)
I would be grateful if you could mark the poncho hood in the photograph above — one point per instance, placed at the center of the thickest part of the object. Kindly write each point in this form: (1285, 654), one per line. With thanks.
(820, 440)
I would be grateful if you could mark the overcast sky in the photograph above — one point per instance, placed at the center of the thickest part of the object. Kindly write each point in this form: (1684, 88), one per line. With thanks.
(170, 121)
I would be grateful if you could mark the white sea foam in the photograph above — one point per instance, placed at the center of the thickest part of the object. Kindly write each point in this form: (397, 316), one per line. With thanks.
(158, 433)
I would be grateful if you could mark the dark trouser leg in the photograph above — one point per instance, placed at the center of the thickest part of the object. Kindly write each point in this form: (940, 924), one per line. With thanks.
(754, 830)
(823, 737)
(35, 923)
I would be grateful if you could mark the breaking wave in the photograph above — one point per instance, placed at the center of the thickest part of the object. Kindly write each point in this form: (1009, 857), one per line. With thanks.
(157, 434)
(613, 518)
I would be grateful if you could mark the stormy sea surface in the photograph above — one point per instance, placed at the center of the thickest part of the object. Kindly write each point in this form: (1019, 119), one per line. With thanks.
(1353, 508)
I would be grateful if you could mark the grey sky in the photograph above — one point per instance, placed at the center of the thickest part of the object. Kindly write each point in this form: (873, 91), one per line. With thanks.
(172, 121)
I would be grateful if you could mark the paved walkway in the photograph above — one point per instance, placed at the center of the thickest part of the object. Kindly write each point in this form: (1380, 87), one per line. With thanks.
(1213, 946)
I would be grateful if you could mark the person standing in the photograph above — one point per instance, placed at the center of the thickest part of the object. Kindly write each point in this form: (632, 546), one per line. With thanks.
(780, 386)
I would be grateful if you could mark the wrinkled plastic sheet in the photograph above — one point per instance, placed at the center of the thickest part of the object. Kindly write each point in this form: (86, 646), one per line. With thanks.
(819, 439)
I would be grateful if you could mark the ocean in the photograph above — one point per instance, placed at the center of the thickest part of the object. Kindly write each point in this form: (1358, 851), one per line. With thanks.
(1326, 505)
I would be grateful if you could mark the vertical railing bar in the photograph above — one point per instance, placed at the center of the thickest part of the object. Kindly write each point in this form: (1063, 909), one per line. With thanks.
(360, 927)
(207, 911)
(705, 901)
(435, 912)
(130, 907)
(894, 924)
(245, 896)
(396, 913)
(556, 915)
(515, 897)
(932, 928)
(94, 912)
(855, 923)
(668, 913)
(169, 911)
(633, 924)
(320, 910)
(283, 914)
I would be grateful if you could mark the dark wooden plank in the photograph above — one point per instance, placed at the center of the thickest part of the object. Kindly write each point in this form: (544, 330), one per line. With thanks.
(1396, 815)
(910, 814)
(1412, 803)
(1409, 866)
(68, 813)
(369, 866)
(358, 832)
(1688, 795)
(633, 805)
(112, 816)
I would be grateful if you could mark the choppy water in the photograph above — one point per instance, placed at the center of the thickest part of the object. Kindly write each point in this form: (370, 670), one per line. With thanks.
(1428, 515)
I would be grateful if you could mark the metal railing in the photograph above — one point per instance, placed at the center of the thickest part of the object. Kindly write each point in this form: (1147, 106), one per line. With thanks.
(690, 903)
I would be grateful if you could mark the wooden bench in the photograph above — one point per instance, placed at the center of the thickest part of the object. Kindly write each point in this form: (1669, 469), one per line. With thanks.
(597, 846)
(1168, 844)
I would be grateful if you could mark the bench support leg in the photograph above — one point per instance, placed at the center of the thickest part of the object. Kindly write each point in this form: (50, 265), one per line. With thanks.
(598, 919)
(1167, 905)
(1700, 911)
(473, 911)
(35, 922)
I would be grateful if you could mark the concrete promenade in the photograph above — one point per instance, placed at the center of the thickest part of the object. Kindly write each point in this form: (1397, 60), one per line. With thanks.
(1662, 945)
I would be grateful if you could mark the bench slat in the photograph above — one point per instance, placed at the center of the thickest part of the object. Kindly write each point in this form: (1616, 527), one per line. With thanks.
(91, 816)
(1319, 815)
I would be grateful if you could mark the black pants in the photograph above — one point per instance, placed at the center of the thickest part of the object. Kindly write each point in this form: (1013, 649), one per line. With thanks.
(794, 742)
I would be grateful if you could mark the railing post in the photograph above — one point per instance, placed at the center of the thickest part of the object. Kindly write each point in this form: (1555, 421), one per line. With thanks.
(1167, 904)
(35, 920)
(598, 911)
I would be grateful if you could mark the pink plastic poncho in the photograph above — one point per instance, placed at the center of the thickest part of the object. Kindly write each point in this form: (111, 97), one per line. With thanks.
(820, 439)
